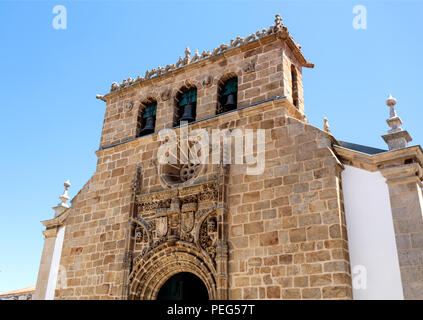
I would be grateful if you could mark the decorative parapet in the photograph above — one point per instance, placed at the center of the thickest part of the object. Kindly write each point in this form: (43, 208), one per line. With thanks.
(277, 29)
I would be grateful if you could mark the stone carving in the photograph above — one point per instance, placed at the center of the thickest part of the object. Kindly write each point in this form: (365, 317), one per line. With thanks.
(326, 127)
(205, 54)
(208, 236)
(250, 38)
(278, 22)
(186, 166)
(101, 97)
(187, 58)
(196, 56)
(115, 86)
(169, 67)
(207, 82)
(161, 226)
(153, 206)
(127, 259)
(260, 34)
(187, 221)
(136, 184)
(173, 215)
(278, 27)
(166, 94)
(180, 62)
(238, 41)
(211, 225)
(396, 138)
(139, 235)
(128, 106)
(143, 238)
(249, 67)
(220, 49)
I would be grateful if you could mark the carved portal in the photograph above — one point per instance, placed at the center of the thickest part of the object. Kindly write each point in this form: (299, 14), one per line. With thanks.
(175, 221)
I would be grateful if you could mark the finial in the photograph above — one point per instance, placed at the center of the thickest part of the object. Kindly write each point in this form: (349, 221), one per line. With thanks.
(394, 121)
(187, 58)
(278, 21)
(326, 127)
(64, 197)
(62, 206)
(391, 102)
(396, 137)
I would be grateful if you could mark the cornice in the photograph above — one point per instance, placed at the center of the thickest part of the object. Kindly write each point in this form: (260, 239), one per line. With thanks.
(53, 224)
(392, 164)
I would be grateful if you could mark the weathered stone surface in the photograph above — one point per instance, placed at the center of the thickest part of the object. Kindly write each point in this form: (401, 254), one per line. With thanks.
(274, 235)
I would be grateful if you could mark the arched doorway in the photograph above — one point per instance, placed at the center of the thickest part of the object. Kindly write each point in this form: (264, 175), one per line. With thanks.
(183, 286)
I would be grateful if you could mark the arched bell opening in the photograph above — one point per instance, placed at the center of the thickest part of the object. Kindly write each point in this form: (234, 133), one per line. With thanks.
(147, 117)
(227, 93)
(186, 105)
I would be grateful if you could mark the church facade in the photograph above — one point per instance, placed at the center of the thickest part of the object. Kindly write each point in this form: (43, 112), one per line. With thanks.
(211, 181)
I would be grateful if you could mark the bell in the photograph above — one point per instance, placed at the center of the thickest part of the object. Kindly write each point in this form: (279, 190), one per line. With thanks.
(230, 102)
(149, 126)
(188, 116)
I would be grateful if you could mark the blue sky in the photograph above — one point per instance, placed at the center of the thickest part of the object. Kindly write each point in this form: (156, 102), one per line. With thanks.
(50, 121)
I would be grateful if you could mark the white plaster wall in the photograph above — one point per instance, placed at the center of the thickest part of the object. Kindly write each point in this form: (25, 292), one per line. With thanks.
(55, 263)
(371, 236)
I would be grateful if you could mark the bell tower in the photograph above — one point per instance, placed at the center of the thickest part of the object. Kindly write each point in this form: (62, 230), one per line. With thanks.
(246, 71)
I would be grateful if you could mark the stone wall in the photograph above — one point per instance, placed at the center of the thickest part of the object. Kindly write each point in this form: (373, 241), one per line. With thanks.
(45, 263)
(405, 191)
(263, 68)
(285, 228)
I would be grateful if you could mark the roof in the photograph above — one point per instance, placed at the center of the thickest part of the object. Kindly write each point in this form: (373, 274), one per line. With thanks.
(360, 148)
(30, 289)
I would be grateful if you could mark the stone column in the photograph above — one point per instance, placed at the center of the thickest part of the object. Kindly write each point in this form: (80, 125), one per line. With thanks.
(405, 191)
(222, 250)
(50, 234)
(44, 271)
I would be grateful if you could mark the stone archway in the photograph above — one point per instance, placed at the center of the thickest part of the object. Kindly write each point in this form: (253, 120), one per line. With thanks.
(183, 286)
(165, 261)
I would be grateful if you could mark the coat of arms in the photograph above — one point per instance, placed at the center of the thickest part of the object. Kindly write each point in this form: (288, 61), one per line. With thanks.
(187, 222)
(161, 226)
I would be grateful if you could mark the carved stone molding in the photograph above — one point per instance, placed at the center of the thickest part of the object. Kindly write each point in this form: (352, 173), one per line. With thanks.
(128, 106)
(249, 67)
(136, 184)
(166, 94)
(277, 30)
(207, 81)
(171, 221)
